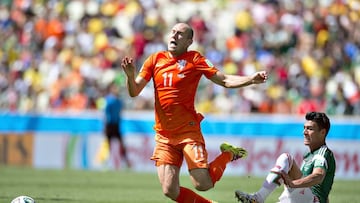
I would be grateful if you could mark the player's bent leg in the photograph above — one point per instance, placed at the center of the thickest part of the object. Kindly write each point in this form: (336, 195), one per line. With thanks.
(295, 172)
(196, 158)
(201, 179)
(285, 162)
(169, 180)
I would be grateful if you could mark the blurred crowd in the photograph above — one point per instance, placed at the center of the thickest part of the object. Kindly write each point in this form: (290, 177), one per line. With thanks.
(60, 55)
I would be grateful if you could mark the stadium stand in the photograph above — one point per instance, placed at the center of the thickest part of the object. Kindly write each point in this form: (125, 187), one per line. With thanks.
(60, 55)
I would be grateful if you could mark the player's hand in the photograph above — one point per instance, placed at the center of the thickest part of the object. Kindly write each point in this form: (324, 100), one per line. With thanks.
(259, 77)
(128, 66)
(288, 181)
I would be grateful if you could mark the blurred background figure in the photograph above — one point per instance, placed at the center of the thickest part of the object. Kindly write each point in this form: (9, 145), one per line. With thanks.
(113, 109)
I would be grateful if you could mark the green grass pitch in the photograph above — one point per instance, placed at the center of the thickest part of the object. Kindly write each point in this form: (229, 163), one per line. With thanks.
(79, 186)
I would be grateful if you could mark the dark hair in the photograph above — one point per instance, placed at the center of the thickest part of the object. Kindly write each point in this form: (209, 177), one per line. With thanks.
(320, 119)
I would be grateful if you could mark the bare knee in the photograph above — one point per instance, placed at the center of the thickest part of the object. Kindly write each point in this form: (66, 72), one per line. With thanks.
(203, 186)
(171, 192)
(201, 179)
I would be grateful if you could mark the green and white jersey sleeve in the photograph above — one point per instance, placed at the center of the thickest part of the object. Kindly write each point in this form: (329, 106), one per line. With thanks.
(320, 158)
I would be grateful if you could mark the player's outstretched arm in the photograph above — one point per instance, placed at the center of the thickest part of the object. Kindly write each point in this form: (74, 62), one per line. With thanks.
(315, 178)
(134, 86)
(235, 81)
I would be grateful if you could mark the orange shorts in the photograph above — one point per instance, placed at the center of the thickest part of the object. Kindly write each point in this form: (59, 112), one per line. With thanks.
(194, 153)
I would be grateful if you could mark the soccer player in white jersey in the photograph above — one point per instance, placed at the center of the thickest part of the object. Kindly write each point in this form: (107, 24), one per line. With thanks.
(310, 183)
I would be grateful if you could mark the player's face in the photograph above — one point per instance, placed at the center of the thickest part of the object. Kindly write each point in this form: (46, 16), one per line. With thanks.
(313, 135)
(179, 40)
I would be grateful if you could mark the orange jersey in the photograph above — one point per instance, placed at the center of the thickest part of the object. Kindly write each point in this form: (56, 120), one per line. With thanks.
(175, 83)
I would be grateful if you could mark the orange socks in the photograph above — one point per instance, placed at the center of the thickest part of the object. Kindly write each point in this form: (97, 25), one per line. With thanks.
(216, 170)
(188, 196)
(217, 167)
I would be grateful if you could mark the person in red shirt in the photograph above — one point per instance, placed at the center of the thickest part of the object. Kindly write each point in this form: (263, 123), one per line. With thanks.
(176, 74)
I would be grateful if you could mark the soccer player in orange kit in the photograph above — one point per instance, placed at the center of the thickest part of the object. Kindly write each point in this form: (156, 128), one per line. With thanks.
(176, 74)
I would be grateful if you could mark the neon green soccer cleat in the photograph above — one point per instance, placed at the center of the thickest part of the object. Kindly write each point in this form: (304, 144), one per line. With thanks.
(237, 152)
